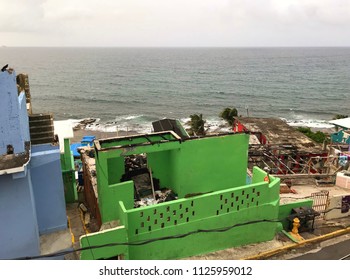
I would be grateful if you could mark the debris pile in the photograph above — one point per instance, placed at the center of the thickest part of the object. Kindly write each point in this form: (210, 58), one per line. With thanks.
(162, 195)
(135, 162)
(147, 188)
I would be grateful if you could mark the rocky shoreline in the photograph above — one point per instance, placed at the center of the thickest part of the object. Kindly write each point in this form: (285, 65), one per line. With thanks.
(81, 129)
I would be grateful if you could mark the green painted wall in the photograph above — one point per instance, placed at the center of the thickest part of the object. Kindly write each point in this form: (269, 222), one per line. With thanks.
(68, 174)
(115, 169)
(112, 195)
(210, 164)
(259, 175)
(198, 165)
(216, 210)
(115, 235)
(194, 166)
(162, 165)
(211, 211)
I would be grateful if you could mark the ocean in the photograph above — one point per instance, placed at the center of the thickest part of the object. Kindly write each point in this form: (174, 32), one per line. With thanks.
(128, 88)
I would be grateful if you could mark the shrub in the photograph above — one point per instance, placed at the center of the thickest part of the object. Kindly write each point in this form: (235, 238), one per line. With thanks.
(318, 136)
(197, 125)
(228, 114)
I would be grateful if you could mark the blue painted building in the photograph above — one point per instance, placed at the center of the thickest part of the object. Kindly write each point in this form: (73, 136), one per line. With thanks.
(342, 136)
(48, 188)
(31, 185)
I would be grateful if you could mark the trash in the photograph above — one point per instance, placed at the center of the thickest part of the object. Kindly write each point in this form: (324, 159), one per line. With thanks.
(142, 182)
(83, 207)
(87, 219)
(135, 162)
(284, 188)
(163, 195)
(167, 195)
(147, 188)
(147, 201)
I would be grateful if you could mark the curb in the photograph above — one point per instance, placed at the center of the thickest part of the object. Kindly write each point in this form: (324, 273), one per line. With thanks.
(266, 254)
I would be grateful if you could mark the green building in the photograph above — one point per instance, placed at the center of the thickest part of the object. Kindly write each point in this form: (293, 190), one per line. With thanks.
(214, 207)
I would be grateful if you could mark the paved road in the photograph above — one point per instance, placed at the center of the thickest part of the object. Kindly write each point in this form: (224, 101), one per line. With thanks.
(332, 252)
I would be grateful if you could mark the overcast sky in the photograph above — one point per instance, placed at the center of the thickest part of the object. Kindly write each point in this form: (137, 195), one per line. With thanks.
(175, 23)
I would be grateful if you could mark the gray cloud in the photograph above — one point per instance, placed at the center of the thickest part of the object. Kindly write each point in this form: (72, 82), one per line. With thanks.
(175, 23)
(21, 16)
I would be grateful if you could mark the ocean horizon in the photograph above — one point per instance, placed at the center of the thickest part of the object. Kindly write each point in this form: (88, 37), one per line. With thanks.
(128, 88)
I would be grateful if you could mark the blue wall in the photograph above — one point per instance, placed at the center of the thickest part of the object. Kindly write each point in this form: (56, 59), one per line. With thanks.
(13, 127)
(19, 228)
(48, 188)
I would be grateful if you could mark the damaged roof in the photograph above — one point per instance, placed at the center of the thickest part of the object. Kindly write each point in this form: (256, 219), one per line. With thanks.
(278, 132)
(136, 140)
(345, 122)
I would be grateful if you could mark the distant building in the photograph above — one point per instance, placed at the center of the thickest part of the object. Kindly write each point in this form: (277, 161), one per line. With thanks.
(341, 123)
(342, 136)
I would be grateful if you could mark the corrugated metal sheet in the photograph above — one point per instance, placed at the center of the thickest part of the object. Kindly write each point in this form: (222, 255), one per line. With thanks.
(170, 125)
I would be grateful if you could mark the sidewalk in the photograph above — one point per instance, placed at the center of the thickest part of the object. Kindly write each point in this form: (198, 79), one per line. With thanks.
(282, 247)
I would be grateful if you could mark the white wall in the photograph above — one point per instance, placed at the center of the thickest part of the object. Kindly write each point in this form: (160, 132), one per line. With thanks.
(336, 202)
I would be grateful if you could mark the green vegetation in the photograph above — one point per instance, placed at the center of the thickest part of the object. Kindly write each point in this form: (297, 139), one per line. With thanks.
(317, 136)
(228, 115)
(197, 125)
(340, 117)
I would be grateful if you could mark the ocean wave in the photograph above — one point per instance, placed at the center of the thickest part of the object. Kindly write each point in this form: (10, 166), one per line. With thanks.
(143, 124)
(212, 124)
(309, 123)
(103, 127)
(131, 117)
